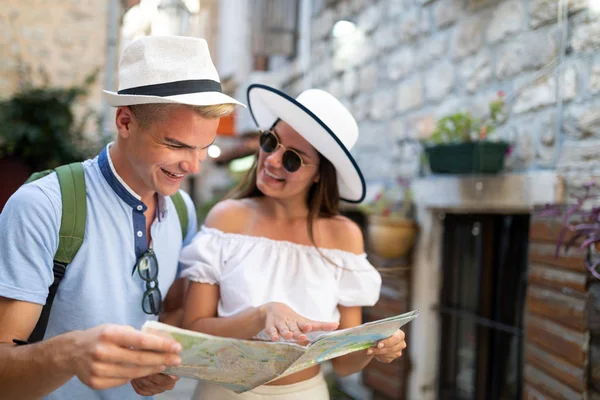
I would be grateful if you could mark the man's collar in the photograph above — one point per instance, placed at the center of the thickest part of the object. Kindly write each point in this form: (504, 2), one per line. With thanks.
(122, 189)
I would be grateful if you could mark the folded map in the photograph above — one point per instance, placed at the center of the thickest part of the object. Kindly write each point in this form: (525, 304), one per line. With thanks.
(242, 365)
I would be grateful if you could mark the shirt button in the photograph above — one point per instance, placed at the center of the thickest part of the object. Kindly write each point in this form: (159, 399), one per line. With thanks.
(140, 233)
(140, 208)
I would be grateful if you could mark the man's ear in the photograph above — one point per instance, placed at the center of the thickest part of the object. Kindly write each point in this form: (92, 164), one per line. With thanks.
(124, 121)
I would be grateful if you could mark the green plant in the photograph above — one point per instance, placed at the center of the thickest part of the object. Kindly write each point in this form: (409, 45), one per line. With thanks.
(38, 126)
(392, 202)
(463, 127)
(580, 221)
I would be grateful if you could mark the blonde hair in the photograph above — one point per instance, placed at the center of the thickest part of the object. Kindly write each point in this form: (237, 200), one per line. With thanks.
(146, 114)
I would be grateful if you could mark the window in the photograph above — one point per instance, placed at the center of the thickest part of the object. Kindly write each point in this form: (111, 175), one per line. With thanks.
(275, 28)
(484, 267)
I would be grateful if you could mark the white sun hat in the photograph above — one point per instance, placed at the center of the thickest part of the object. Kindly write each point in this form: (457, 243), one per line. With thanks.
(323, 121)
(168, 69)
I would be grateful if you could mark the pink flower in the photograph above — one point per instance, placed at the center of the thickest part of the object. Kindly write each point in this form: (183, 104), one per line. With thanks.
(483, 132)
(501, 93)
(402, 182)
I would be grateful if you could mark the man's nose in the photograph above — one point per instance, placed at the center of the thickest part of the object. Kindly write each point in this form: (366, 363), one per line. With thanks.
(192, 163)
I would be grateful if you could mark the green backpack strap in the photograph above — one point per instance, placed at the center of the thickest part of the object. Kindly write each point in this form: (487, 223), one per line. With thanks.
(72, 225)
(70, 237)
(182, 213)
(37, 175)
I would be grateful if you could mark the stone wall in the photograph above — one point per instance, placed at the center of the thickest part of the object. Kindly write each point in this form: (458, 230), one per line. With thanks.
(68, 39)
(412, 61)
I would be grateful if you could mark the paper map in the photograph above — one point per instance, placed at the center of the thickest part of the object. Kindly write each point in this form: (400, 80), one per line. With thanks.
(242, 365)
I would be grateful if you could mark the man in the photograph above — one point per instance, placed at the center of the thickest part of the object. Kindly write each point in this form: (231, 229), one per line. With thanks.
(168, 110)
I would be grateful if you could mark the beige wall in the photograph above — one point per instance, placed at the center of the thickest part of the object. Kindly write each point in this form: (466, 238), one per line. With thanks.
(67, 38)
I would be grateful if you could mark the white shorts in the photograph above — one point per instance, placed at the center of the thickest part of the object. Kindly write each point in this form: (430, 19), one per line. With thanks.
(314, 388)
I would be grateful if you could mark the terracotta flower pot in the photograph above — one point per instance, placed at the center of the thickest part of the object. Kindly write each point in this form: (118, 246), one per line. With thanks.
(391, 237)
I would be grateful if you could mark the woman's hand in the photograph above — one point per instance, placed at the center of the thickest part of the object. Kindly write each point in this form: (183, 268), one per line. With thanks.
(153, 384)
(282, 321)
(389, 349)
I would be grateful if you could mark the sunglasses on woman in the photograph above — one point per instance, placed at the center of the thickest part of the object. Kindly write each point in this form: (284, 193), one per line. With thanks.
(291, 159)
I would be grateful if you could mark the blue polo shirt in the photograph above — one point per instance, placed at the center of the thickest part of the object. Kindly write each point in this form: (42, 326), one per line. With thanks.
(98, 287)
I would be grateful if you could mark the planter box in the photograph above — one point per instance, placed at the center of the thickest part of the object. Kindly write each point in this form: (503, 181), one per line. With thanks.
(467, 158)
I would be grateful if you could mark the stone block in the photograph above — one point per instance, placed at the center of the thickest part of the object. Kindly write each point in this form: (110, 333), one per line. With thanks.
(373, 137)
(317, 7)
(544, 129)
(476, 71)
(321, 27)
(582, 121)
(369, 18)
(385, 37)
(320, 49)
(382, 104)
(343, 10)
(335, 88)
(350, 82)
(508, 18)
(546, 11)
(439, 81)
(522, 154)
(409, 95)
(542, 93)
(586, 36)
(357, 5)
(397, 8)
(451, 105)
(398, 128)
(526, 52)
(469, 36)
(447, 12)
(431, 49)
(401, 63)
(580, 154)
(361, 106)
(368, 77)
(411, 25)
(321, 72)
(594, 86)
(420, 126)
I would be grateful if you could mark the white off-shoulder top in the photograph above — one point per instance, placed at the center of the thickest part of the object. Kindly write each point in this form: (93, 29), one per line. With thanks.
(252, 271)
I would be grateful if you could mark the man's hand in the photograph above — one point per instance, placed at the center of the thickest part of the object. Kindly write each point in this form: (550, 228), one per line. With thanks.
(389, 349)
(282, 321)
(153, 384)
(112, 355)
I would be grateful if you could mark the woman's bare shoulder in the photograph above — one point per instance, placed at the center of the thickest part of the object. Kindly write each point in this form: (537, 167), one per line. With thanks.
(344, 234)
(230, 215)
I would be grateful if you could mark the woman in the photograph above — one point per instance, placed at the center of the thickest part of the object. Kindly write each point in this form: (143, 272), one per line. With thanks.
(278, 259)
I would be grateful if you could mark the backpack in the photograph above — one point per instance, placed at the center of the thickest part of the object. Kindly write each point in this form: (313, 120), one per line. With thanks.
(71, 178)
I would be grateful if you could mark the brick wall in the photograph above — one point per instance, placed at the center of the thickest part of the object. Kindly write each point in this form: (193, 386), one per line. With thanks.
(556, 326)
